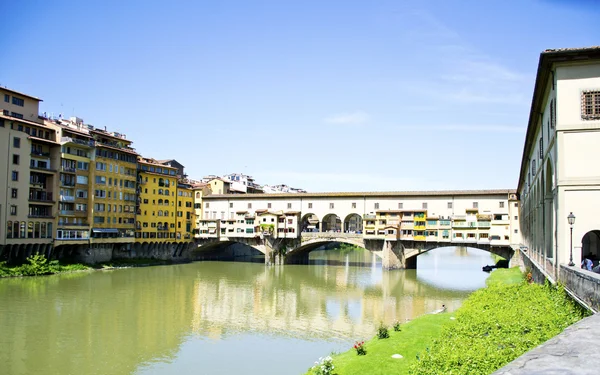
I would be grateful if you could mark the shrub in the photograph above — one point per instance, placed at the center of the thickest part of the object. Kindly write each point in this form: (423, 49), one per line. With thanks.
(397, 326)
(382, 332)
(496, 325)
(324, 366)
(360, 348)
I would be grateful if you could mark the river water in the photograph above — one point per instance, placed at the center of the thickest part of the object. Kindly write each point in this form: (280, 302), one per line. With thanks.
(219, 317)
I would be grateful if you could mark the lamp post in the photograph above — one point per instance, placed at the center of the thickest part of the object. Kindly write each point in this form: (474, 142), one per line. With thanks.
(571, 219)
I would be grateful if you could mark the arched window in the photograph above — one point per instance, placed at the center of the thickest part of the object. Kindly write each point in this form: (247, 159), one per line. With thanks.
(160, 201)
(198, 195)
(166, 191)
(9, 229)
(161, 182)
(166, 213)
(36, 230)
(44, 233)
(166, 225)
(160, 191)
(30, 229)
(16, 229)
(167, 183)
(159, 213)
(166, 202)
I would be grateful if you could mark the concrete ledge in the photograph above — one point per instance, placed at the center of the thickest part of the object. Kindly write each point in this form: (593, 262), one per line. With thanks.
(574, 351)
(583, 284)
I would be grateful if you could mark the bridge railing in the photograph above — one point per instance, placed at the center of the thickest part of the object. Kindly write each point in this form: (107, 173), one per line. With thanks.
(310, 235)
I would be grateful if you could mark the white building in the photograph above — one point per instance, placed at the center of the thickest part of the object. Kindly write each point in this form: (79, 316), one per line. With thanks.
(560, 170)
(242, 183)
(274, 189)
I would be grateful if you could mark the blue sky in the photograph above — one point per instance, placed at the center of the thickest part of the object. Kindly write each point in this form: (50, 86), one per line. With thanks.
(323, 95)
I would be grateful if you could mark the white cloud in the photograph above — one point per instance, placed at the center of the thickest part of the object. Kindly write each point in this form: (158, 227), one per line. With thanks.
(355, 118)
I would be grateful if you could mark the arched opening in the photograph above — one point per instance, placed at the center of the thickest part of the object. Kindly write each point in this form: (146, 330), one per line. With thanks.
(228, 251)
(549, 210)
(353, 223)
(332, 223)
(309, 223)
(590, 247)
(334, 253)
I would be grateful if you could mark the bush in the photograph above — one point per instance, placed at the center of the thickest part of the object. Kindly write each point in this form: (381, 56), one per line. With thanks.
(324, 366)
(496, 325)
(397, 326)
(382, 332)
(360, 348)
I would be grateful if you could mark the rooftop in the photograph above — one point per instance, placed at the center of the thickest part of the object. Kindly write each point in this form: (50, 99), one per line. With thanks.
(21, 94)
(386, 194)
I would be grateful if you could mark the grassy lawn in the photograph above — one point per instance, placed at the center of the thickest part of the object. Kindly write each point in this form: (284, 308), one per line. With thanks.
(413, 338)
(495, 325)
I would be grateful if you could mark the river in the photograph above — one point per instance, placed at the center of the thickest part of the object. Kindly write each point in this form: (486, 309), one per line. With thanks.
(219, 317)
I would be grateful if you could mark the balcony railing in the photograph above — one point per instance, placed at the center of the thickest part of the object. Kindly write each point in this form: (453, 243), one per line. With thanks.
(68, 169)
(40, 196)
(43, 169)
(369, 217)
(67, 212)
(67, 198)
(40, 215)
(62, 223)
(67, 183)
(40, 153)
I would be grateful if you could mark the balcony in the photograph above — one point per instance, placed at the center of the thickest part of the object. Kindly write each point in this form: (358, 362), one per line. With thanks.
(40, 215)
(67, 198)
(37, 183)
(483, 224)
(65, 224)
(369, 217)
(40, 196)
(40, 153)
(42, 169)
(67, 183)
(68, 169)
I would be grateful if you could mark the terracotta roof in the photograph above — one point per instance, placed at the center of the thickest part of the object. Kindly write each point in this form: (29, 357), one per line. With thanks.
(383, 194)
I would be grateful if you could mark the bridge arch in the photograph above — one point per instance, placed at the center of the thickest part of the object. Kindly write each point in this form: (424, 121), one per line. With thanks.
(331, 223)
(411, 254)
(227, 250)
(590, 245)
(309, 223)
(353, 223)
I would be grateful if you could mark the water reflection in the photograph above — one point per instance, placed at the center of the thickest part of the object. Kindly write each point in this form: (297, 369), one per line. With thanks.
(195, 318)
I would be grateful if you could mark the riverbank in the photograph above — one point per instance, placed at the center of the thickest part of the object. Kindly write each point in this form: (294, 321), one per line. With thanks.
(38, 265)
(494, 326)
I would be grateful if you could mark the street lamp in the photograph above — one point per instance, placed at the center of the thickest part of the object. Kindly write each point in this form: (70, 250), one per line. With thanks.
(571, 219)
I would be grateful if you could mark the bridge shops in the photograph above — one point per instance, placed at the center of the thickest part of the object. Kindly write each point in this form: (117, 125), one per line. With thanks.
(404, 223)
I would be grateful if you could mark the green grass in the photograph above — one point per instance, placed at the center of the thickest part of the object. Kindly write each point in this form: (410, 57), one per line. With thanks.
(413, 337)
(494, 326)
(505, 276)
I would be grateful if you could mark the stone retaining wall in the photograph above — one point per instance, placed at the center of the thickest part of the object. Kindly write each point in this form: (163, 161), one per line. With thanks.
(583, 284)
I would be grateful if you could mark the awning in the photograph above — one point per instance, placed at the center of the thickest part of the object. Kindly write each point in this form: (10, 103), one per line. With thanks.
(107, 230)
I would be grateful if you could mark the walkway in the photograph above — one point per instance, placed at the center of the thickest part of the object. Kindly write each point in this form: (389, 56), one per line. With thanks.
(574, 351)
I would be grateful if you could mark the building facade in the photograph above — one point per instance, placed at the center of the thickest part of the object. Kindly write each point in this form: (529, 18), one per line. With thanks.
(558, 173)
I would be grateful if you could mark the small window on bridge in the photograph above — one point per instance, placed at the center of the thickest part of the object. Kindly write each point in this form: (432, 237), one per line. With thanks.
(400, 205)
(450, 205)
(268, 205)
(310, 205)
(331, 205)
(376, 206)
(501, 204)
(353, 204)
(288, 206)
(475, 205)
(424, 205)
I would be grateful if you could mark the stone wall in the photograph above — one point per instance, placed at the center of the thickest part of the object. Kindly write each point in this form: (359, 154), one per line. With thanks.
(537, 273)
(585, 285)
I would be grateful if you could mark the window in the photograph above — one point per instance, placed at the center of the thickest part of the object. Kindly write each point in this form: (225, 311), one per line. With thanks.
(516, 218)
(353, 205)
(331, 206)
(18, 101)
(13, 193)
(376, 206)
(450, 205)
(516, 231)
(13, 210)
(207, 205)
(541, 148)
(424, 205)
(475, 205)
(7, 98)
(249, 205)
(590, 105)
(516, 205)
(310, 205)
(268, 205)
(15, 176)
(533, 167)
(17, 142)
(230, 205)
(16, 159)
(289, 206)
(17, 115)
(501, 204)
(400, 206)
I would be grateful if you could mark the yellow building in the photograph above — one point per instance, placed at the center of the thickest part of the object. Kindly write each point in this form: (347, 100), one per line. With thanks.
(74, 207)
(156, 202)
(186, 217)
(113, 177)
(419, 225)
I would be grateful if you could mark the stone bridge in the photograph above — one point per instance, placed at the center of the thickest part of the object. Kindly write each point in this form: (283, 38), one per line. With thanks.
(395, 254)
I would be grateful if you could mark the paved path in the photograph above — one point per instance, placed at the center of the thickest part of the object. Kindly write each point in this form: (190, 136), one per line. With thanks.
(575, 351)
